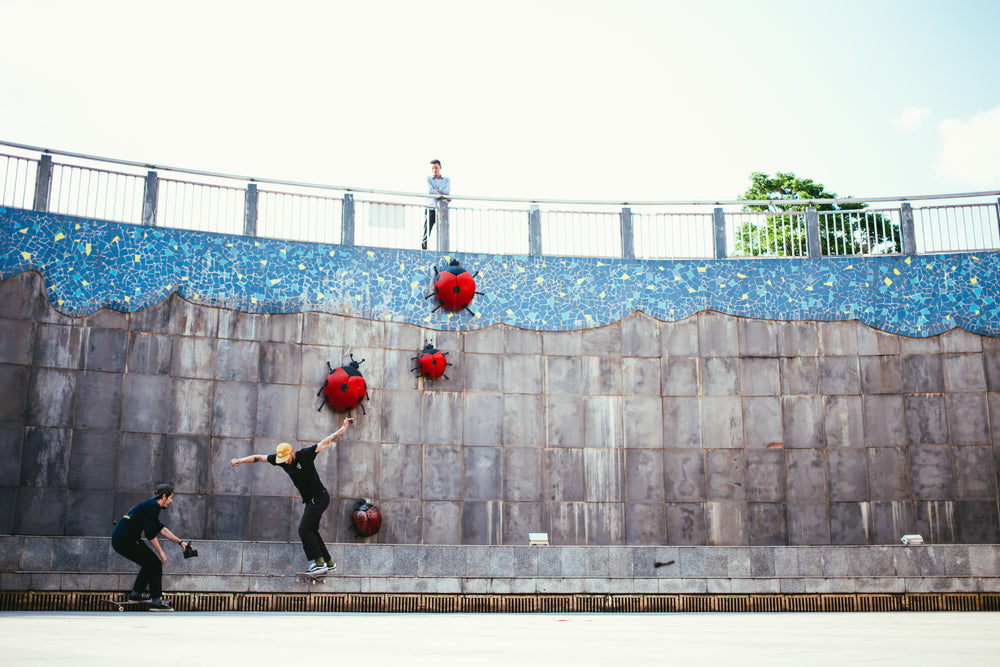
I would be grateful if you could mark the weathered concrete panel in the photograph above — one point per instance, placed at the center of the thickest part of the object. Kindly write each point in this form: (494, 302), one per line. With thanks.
(146, 401)
(684, 475)
(640, 336)
(564, 475)
(483, 473)
(149, 354)
(51, 397)
(679, 339)
(523, 420)
(722, 417)
(765, 475)
(603, 421)
(522, 474)
(563, 423)
(843, 421)
(483, 417)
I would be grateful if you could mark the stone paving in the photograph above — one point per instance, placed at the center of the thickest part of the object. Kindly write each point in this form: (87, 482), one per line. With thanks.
(193, 640)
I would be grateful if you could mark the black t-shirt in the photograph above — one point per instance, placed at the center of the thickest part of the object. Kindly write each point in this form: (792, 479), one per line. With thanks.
(303, 472)
(143, 518)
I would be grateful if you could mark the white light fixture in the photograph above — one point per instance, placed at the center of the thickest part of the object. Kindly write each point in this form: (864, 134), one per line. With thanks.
(538, 539)
(912, 539)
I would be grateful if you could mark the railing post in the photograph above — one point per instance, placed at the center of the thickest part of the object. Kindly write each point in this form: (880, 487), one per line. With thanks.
(149, 200)
(442, 225)
(347, 220)
(43, 184)
(998, 214)
(628, 236)
(907, 229)
(719, 225)
(534, 231)
(250, 214)
(812, 233)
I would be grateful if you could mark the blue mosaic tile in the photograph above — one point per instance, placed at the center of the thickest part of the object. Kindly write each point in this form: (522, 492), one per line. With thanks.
(88, 265)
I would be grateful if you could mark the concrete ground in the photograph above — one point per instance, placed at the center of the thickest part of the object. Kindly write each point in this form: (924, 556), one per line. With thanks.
(280, 639)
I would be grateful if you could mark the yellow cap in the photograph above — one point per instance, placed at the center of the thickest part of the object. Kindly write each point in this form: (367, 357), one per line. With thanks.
(284, 452)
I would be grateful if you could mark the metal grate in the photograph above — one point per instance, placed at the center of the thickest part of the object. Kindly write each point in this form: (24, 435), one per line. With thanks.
(513, 604)
(881, 603)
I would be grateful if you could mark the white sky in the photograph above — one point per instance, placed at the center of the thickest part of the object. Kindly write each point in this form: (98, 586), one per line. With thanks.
(625, 100)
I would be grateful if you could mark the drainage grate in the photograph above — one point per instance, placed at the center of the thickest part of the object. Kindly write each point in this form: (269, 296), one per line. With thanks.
(514, 604)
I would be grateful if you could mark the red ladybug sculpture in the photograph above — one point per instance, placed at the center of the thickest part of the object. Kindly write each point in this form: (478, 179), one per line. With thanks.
(431, 363)
(455, 287)
(344, 387)
(367, 518)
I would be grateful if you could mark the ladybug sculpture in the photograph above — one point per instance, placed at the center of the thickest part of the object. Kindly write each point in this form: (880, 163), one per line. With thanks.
(367, 518)
(431, 363)
(344, 387)
(455, 287)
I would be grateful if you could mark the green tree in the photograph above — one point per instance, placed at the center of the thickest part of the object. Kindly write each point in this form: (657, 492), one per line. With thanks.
(845, 228)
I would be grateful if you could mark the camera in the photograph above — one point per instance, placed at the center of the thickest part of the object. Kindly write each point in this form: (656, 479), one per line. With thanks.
(189, 551)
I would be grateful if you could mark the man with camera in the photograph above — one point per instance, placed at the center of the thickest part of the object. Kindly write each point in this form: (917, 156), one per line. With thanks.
(144, 519)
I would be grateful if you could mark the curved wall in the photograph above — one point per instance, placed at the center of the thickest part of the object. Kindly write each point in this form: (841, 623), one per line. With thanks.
(88, 265)
(710, 429)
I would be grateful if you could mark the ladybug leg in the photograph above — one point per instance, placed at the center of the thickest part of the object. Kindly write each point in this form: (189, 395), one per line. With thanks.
(330, 369)
(469, 309)
(445, 376)
(320, 408)
(428, 296)
(361, 405)
(436, 309)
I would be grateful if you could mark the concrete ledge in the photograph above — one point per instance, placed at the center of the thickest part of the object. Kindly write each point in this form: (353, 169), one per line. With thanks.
(80, 564)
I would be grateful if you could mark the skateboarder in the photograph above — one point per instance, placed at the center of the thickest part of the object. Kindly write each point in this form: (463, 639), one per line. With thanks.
(126, 539)
(301, 469)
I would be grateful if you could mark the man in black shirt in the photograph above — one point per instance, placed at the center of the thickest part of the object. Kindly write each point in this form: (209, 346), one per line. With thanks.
(301, 469)
(126, 539)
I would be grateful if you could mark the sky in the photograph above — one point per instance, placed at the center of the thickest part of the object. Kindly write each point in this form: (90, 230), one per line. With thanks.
(619, 101)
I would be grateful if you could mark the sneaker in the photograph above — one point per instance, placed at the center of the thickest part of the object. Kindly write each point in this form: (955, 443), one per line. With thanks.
(138, 597)
(160, 605)
(315, 569)
(331, 566)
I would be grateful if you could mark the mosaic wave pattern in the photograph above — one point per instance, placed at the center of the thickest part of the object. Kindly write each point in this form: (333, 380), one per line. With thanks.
(88, 265)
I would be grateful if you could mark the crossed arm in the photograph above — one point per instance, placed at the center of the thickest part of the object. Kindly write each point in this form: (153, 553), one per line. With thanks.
(320, 446)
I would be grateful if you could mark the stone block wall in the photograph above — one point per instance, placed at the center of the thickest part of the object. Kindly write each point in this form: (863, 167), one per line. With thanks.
(713, 430)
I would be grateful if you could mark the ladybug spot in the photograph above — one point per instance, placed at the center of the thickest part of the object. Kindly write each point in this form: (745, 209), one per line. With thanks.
(456, 289)
(343, 387)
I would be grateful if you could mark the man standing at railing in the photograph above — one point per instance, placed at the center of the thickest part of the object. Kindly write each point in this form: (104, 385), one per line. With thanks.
(440, 187)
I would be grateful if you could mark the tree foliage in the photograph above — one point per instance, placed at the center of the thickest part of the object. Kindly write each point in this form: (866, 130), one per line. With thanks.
(845, 228)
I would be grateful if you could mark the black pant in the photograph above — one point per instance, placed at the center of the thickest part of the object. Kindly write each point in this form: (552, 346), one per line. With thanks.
(430, 217)
(312, 541)
(150, 565)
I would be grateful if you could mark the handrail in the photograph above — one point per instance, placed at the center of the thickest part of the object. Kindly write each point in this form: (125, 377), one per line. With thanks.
(517, 200)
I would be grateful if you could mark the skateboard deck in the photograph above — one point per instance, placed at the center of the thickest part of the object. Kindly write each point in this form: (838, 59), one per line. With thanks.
(121, 604)
(313, 579)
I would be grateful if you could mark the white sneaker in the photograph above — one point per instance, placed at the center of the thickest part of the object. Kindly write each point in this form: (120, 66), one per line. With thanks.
(315, 569)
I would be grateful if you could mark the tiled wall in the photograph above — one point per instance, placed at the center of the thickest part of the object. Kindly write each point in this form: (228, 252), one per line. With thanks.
(750, 405)
(90, 264)
(713, 430)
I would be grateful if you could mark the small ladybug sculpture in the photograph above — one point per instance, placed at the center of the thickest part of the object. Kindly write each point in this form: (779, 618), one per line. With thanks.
(344, 387)
(367, 518)
(431, 363)
(455, 287)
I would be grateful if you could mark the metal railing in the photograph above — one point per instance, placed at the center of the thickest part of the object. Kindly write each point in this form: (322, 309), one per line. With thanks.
(131, 192)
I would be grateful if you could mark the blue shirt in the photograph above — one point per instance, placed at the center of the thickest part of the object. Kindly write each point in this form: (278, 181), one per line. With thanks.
(144, 518)
(434, 184)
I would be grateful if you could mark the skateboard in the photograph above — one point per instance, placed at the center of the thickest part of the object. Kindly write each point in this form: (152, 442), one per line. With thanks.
(121, 604)
(313, 579)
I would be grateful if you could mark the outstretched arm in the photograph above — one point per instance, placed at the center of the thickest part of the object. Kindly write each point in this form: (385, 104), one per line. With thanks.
(328, 440)
(253, 458)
